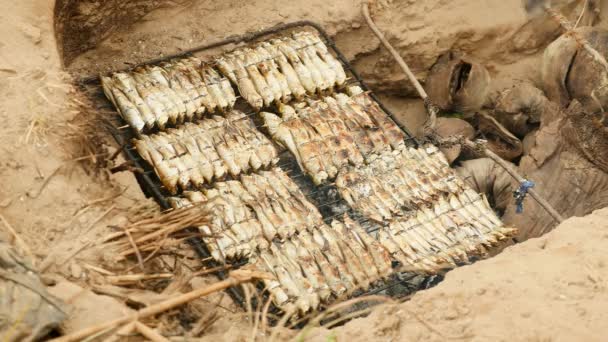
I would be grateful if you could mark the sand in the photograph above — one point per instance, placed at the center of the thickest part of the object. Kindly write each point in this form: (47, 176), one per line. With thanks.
(552, 288)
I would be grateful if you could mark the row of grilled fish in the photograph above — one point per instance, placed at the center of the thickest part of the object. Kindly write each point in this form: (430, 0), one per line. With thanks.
(197, 154)
(173, 92)
(280, 70)
(249, 213)
(327, 263)
(336, 131)
(398, 181)
(445, 234)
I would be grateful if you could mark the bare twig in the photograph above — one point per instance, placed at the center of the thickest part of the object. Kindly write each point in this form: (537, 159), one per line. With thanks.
(432, 110)
(55, 172)
(265, 314)
(123, 332)
(582, 13)
(98, 269)
(134, 278)
(18, 240)
(334, 309)
(105, 199)
(99, 218)
(432, 113)
(150, 333)
(140, 260)
(235, 278)
(507, 167)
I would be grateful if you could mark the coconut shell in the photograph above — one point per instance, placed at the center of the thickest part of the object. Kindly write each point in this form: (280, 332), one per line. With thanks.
(500, 140)
(556, 63)
(570, 72)
(457, 83)
(447, 127)
(587, 80)
(529, 141)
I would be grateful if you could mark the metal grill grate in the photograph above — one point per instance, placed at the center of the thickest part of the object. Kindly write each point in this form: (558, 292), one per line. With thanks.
(325, 197)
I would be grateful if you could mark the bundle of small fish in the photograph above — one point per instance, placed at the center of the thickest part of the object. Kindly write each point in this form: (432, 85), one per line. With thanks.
(197, 154)
(398, 181)
(445, 234)
(251, 212)
(336, 131)
(429, 218)
(433, 219)
(282, 69)
(173, 92)
(322, 265)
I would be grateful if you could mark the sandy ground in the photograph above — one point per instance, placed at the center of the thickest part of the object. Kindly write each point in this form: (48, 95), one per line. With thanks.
(43, 195)
(552, 288)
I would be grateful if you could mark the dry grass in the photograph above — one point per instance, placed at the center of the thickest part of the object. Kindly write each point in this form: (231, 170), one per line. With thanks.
(154, 233)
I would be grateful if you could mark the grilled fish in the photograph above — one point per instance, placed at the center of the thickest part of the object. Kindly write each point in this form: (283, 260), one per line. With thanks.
(291, 77)
(247, 87)
(327, 57)
(304, 74)
(249, 61)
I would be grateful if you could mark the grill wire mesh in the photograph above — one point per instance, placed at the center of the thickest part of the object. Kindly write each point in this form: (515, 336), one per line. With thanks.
(325, 197)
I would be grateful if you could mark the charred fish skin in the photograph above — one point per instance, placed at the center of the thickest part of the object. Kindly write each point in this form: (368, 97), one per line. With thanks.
(286, 281)
(246, 86)
(156, 76)
(357, 247)
(316, 74)
(189, 68)
(227, 68)
(304, 74)
(188, 108)
(249, 61)
(161, 79)
(395, 135)
(295, 271)
(342, 133)
(320, 47)
(213, 82)
(149, 95)
(126, 84)
(336, 247)
(327, 72)
(180, 83)
(329, 272)
(347, 279)
(306, 261)
(265, 68)
(128, 110)
(279, 297)
(168, 175)
(381, 259)
(291, 77)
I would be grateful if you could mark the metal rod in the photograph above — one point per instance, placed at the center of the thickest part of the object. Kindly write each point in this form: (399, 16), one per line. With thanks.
(150, 182)
(431, 109)
(433, 114)
(539, 199)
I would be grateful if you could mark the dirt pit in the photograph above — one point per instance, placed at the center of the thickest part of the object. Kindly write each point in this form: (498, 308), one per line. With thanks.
(552, 288)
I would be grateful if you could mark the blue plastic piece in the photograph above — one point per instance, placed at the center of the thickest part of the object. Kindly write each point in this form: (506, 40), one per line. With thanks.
(520, 194)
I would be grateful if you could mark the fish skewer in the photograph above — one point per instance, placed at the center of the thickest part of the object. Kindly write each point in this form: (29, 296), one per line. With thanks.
(314, 40)
(206, 151)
